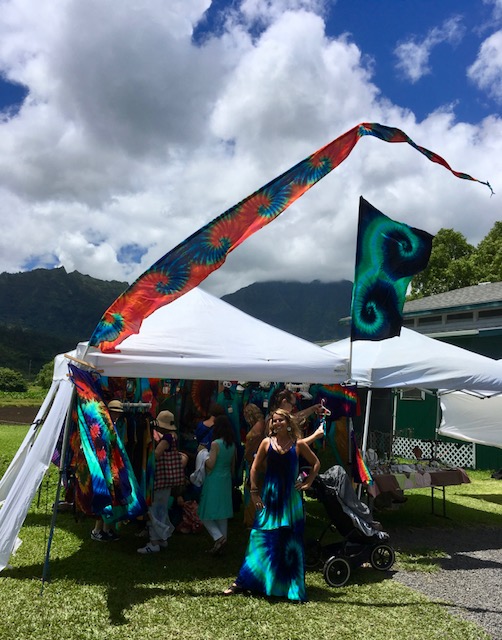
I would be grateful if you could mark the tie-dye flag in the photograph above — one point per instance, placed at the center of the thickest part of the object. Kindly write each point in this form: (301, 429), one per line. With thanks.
(388, 255)
(114, 490)
(360, 471)
(340, 400)
(188, 264)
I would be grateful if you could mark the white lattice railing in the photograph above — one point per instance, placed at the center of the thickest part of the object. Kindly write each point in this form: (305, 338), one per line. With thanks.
(452, 453)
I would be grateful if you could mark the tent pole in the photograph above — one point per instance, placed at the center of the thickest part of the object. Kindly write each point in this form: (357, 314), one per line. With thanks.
(394, 420)
(366, 422)
(348, 423)
(349, 373)
(64, 449)
(349, 428)
(365, 433)
(438, 415)
(438, 424)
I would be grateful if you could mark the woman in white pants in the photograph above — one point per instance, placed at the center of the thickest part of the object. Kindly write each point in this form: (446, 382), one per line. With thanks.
(169, 473)
(216, 500)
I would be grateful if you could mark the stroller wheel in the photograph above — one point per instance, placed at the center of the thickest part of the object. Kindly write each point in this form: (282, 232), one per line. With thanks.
(336, 571)
(382, 557)
(313, 552)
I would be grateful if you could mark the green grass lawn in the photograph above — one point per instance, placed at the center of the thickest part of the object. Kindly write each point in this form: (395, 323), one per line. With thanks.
(107, 590)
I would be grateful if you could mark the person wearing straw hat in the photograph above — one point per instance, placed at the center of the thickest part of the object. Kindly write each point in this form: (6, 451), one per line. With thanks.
(169, 473)
(116, 409)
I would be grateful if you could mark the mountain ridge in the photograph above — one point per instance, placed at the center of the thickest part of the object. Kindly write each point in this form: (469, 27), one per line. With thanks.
(308, 310)
(48, 311)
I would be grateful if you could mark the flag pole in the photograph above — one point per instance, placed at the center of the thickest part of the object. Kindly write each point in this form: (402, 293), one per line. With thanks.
(349, 426)
(349, 380)
(353, 298)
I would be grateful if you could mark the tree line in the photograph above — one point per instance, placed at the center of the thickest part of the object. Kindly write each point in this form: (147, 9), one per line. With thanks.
(454, 263)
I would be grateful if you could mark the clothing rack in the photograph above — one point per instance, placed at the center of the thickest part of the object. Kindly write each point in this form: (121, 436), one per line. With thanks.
(136, 406)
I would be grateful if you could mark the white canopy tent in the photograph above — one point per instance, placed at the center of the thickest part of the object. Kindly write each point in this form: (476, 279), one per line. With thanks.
(415, 360)
(472, 418)
(26, 471)
(26, 449)
(200, 337)
(197, 337)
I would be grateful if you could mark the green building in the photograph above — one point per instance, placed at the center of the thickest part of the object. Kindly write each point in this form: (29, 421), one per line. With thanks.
(470, 318)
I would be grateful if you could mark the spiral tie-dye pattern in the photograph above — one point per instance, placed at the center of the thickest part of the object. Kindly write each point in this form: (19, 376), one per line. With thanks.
(388, 255)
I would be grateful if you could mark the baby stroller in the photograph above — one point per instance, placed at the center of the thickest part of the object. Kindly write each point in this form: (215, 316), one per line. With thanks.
(363, 541)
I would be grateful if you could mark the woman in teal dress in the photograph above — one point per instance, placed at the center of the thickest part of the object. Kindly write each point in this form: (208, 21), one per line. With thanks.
(274, 561)
(215, 505)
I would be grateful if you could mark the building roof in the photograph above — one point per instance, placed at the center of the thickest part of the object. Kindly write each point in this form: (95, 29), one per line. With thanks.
(483, 294)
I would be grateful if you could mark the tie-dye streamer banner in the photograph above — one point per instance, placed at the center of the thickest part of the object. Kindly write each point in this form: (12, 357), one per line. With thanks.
(115, 491)
(388, 255)
(188, 264)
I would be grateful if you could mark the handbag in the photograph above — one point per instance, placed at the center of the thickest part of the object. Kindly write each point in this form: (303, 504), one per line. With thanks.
(169, 471)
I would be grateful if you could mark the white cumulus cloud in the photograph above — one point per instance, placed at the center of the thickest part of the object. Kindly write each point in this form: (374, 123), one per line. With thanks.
(413, 55)
(486, 71)
(140, 126)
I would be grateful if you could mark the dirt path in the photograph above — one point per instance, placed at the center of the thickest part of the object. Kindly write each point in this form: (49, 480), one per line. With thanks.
(17, 415)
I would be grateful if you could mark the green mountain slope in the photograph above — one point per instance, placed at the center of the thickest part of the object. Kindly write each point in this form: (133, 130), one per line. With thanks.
(309, 310)
(48, 311)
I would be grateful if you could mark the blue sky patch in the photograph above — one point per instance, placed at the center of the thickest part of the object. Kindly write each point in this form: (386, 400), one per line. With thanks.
(131, 253)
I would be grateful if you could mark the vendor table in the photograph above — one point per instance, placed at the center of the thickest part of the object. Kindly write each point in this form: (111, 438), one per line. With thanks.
(403, 477)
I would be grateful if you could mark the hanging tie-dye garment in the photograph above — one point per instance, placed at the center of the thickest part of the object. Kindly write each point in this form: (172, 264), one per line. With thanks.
(115, 493)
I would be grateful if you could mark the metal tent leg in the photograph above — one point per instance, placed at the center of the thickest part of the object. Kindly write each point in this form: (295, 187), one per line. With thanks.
(443, 490)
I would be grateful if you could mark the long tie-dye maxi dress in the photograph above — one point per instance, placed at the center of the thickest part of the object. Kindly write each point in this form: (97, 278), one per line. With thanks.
(274, 560)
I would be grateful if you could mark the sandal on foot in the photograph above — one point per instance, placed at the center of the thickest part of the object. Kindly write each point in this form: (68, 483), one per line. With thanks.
(218, 546)
(232, 590)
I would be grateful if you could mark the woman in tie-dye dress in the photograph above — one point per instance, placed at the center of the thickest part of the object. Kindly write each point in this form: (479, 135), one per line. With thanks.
(274, 561)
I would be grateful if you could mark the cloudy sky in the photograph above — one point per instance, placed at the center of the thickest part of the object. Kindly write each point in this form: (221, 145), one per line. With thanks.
(125, 126)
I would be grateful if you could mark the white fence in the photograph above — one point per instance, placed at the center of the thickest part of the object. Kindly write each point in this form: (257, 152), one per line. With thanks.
(452, 453)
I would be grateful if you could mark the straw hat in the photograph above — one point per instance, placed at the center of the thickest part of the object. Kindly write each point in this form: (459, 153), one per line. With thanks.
(116, 405)
(165, 420)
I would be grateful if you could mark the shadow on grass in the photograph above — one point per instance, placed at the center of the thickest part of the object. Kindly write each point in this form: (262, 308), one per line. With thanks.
(417, 513)
(448, 540)
(185, 570)
(496, 498)
(129, 579)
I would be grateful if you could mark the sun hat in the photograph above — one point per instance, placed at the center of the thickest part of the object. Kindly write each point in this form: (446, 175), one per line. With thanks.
(116, 405)
(165, 420)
